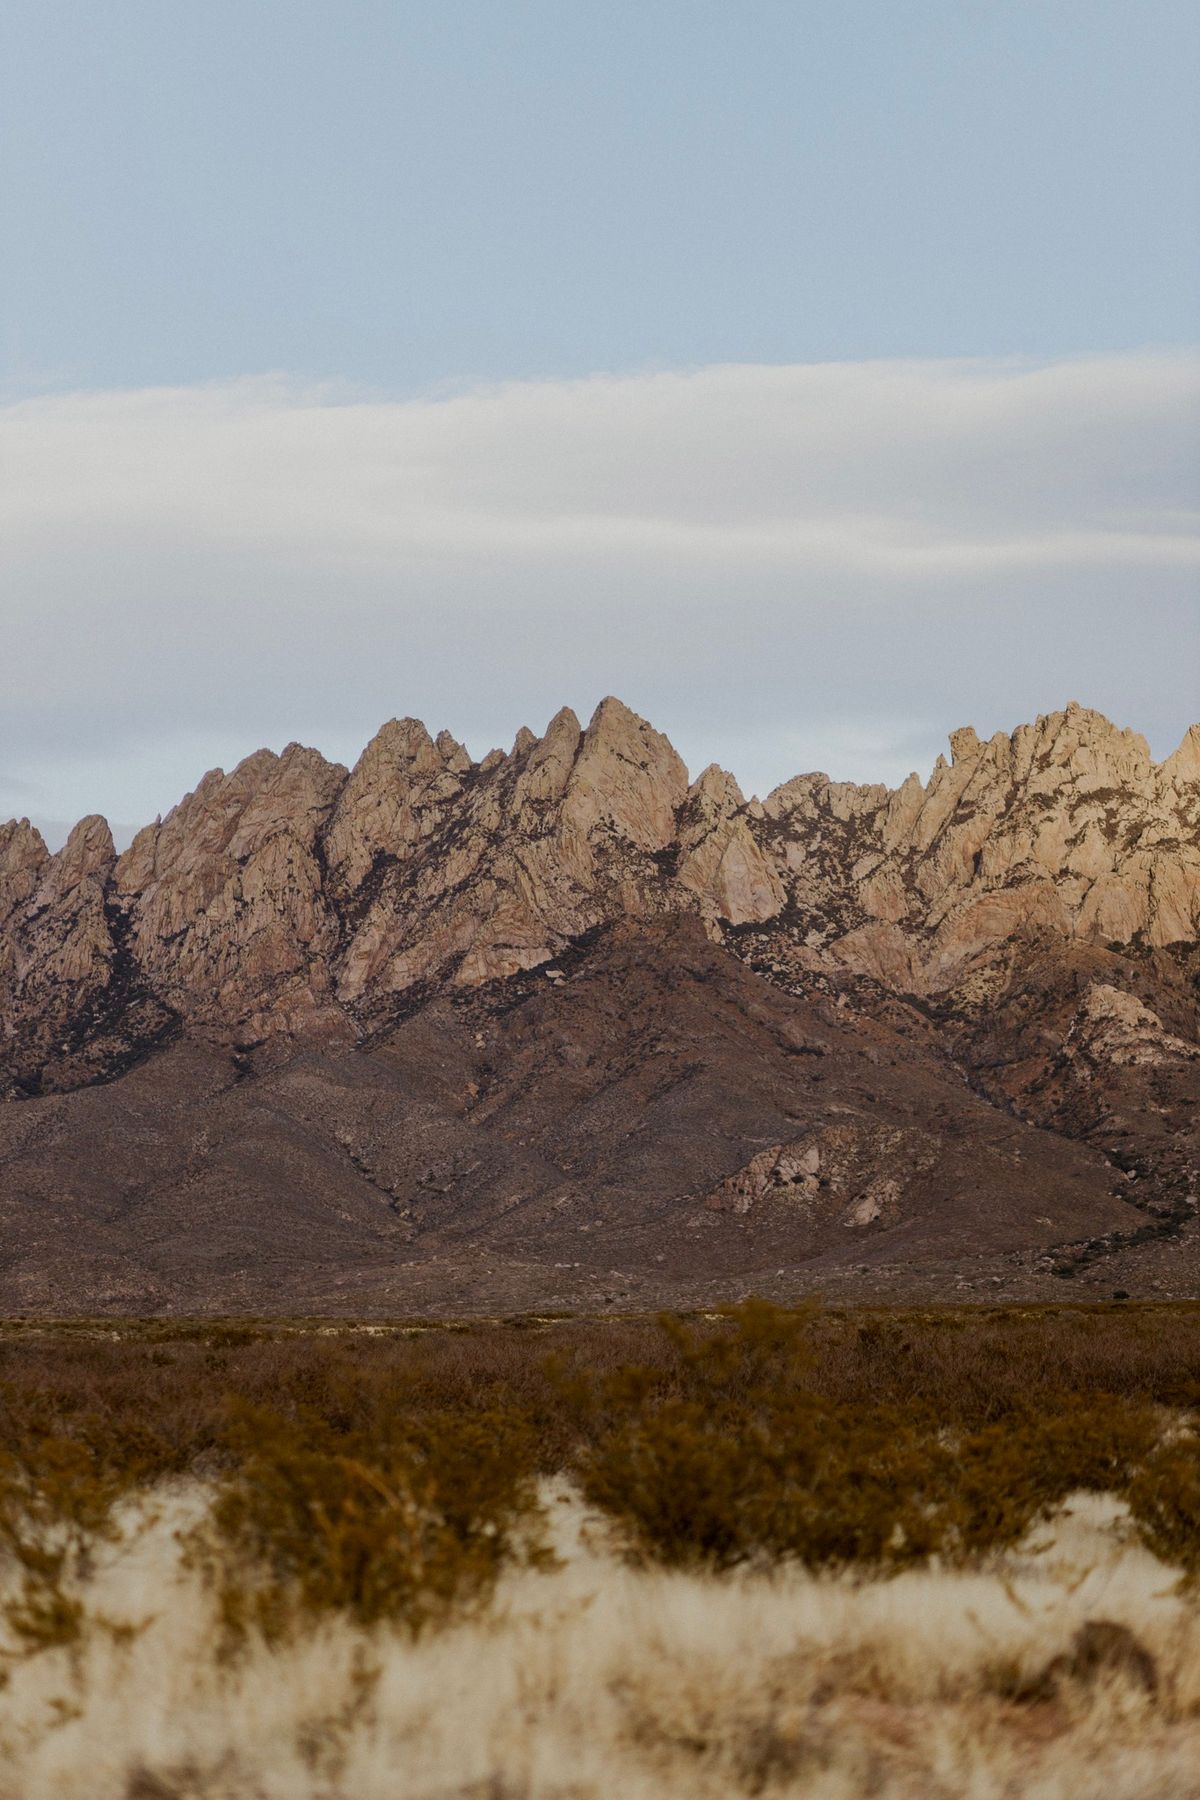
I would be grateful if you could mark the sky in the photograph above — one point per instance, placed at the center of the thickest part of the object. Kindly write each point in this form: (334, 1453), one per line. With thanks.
(818, 378)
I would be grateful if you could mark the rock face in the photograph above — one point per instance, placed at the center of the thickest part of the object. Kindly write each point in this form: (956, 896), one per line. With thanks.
(1067, 826)
(291, 898)
(1028, 918)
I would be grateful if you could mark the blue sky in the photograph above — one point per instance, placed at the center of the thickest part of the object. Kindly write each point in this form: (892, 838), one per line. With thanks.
(817, 377)
(401, 195)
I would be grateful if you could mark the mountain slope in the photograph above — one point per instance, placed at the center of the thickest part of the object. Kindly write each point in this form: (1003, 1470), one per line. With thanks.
(558, 1025)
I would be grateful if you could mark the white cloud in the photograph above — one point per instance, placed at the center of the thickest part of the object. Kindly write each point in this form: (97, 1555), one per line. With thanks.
(767, 560)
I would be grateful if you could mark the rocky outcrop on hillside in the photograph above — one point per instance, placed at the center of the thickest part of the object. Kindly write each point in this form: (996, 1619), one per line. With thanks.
(1024, 925)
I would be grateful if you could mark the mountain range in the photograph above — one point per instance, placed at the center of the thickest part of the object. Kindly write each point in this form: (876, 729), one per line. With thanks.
(561, 1029)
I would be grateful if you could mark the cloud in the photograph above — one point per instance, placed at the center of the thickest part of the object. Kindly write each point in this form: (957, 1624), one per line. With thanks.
(823, 562)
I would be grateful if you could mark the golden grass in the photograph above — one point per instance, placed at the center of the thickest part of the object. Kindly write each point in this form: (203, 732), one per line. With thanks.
(594, 1679)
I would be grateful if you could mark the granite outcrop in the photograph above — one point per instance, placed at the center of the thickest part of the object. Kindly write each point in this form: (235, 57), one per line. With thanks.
(291, 898)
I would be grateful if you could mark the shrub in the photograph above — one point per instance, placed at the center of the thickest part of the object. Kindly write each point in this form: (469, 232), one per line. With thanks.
(404, 1525)
(829, 1436)
(1164, 1498)
(750, 1462)
(57, 1492)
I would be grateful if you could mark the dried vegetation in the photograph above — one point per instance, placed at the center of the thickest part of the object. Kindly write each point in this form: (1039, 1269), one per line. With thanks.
(790, 1551)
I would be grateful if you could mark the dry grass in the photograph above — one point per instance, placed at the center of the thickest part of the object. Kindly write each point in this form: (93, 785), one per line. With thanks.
(815, 1553)
(596, 1679)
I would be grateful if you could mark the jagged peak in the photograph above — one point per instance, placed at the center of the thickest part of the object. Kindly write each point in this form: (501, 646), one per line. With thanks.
(794, 792)
(252, 768)
(1068, 739)
(455, 755)
(406, 746)
(1183, 764)
(400, 743)
(263, 773)
(305, 756)
(616, 728)
(717, 788)
(1084, 743)
(564, 721)
(552, 758)
(22, 847)
(966, 745)
(282, 892)
(627, 779)
(613, 714)
(90, 831)
(253, 772)
(613, 723)
(1086, 722)
(89, 850)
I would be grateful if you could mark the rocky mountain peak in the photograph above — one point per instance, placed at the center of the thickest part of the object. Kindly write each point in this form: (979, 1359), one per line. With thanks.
(483, 1033)
(88, 852)
(964, 743)
(1182, 768)
(290, 896)
(627, 780)
(22, 847)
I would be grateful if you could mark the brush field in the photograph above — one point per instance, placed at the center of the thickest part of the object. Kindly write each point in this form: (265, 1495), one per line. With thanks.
(823, 1552)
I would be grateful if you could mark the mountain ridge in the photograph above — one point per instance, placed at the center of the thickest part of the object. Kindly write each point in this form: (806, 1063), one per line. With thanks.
(587, 942)
(268, 900)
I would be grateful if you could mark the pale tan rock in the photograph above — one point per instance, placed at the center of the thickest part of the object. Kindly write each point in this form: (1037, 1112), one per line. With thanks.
(879, 1200)
(627, 781)
(1182, 767)
(395, 797)
(782, 1173)
(853, 1173)
(551, 760)
(884, 952)
(720, 861)
(289, 896)
(225, 897)
(1117, 1027)
(23, 854)
(56, 947)
(87, 853)
(453, 754)
(901, 813)
(1067, 825)
(884, 896)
